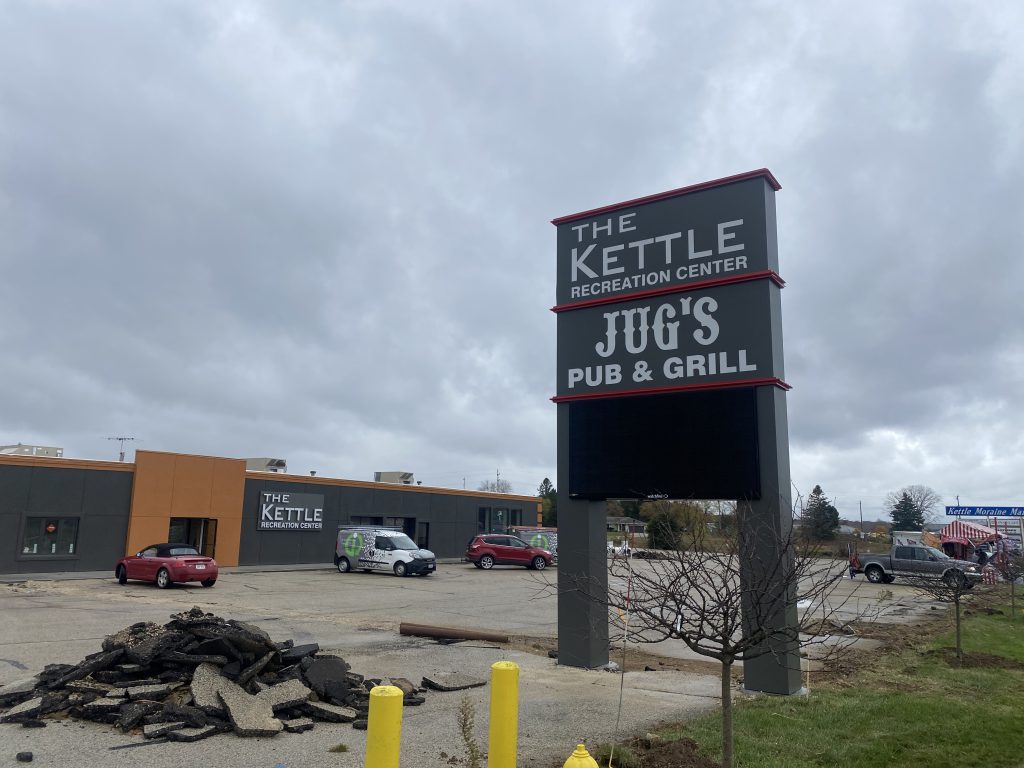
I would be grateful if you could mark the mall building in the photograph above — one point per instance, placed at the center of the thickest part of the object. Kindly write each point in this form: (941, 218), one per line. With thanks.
(62, 515)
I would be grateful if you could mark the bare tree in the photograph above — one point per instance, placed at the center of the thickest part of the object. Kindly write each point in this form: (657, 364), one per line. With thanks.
(956, 590)
(701, 594)
(497, 485)
(1010, 566)
(925, 500)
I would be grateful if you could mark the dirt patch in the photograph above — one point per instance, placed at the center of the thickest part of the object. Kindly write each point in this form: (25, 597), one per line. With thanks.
(975, 660)
(649, 752)
(894, 638)
(676, 754)
(636, 660)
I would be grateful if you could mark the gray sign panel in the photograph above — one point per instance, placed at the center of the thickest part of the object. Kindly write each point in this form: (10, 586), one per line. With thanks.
(705, 337)
(710, 234)
(290, 511)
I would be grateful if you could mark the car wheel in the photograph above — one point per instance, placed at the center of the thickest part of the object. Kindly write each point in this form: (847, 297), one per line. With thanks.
(487, 562)
(954, 580)
(539, 563)
(122, 575)
(208, 582)
(399, 569)
(344, 566)
(874, 574)
(163, 578)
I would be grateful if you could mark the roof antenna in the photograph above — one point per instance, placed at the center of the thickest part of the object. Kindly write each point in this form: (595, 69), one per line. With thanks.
(122, 441)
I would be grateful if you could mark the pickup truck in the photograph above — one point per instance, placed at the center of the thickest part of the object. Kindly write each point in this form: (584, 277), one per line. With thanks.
(917, 562)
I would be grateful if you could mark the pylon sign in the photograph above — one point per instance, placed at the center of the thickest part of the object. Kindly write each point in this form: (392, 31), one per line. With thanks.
(669, 294)
(671, 386)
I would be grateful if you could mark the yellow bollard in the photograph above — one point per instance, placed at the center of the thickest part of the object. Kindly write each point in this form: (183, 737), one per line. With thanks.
(384, 727)
(580, 759)
(504, 722)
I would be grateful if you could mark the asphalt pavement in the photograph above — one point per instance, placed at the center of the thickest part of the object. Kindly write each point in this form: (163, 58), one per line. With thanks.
(356, 616)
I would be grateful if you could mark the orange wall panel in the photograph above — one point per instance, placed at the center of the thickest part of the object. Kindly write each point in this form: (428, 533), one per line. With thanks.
(174, 485)
(228, 490)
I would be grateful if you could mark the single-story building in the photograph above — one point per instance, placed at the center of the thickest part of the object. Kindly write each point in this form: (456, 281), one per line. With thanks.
(626, 525)
(60, 514)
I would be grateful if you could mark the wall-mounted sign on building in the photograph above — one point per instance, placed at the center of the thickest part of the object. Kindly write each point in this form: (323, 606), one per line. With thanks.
(290, 512)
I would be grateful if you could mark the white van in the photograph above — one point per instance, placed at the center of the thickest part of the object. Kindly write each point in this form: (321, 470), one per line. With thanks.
(381, 549)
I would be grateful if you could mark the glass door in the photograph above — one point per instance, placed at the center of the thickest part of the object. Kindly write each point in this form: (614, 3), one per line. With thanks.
(199, 532)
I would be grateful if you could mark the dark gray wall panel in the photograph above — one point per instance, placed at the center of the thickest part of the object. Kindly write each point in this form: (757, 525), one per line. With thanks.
(452, 519)
(100, 499)
(14, 487)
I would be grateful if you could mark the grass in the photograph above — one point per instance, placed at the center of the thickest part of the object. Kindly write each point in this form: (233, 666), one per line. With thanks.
(907, 708)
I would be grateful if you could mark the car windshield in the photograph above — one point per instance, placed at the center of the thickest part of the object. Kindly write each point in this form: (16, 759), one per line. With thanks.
(401, 541)
(937, 553)
(182, 551)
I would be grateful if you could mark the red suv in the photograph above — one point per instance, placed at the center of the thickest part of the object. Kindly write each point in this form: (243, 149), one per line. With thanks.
(490, 549)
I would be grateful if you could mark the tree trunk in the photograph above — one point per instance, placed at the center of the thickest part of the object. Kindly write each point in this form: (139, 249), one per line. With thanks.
(959, 650)
(726, 713)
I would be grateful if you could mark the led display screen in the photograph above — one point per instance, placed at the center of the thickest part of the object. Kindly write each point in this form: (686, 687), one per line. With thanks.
(683, 445)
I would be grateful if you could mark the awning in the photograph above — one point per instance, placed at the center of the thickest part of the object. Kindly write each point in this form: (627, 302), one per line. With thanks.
(970, 534)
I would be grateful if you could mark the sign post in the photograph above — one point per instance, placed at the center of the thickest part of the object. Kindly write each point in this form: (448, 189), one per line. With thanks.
(670, 385)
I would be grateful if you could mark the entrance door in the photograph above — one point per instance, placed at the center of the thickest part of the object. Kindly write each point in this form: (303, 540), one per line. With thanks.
(200, 532)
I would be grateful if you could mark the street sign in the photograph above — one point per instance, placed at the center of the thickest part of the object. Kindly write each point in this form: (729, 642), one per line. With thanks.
(985, 511)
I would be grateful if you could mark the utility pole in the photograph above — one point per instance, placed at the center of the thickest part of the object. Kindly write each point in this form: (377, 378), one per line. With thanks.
(861, 508)
(122, 441)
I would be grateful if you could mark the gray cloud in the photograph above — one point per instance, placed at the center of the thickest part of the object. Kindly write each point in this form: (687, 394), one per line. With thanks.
(250, 229)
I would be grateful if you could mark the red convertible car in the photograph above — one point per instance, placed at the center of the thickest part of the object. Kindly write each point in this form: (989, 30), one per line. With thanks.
(165, 564)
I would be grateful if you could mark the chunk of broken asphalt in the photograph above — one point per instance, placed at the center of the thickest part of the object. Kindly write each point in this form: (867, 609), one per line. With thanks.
(298, 725)
(24, 711)
(456, 681)
(287, 694)
(255, 668)
(156, 730)
(150, 692)
(193, 717)
(192, 734)
(404, 685)
(320, 710)
(250, 715)
(19, 689)
(322, 670)
(298, 652)
(206, 681)
(131, 714)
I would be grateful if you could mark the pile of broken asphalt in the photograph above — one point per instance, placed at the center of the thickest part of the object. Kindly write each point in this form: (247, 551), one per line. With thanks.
(200, 675)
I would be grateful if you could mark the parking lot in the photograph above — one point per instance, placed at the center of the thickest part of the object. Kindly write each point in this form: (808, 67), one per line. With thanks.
(357, 616)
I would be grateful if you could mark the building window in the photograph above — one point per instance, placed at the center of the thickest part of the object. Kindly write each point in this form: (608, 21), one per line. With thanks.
(48, 536)
(423, 535)
(363, 520)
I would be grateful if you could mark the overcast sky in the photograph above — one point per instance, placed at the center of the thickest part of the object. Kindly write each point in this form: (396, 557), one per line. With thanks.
(320, 231)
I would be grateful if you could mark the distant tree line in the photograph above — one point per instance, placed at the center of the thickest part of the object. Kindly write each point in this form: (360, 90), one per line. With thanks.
(910, 508)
